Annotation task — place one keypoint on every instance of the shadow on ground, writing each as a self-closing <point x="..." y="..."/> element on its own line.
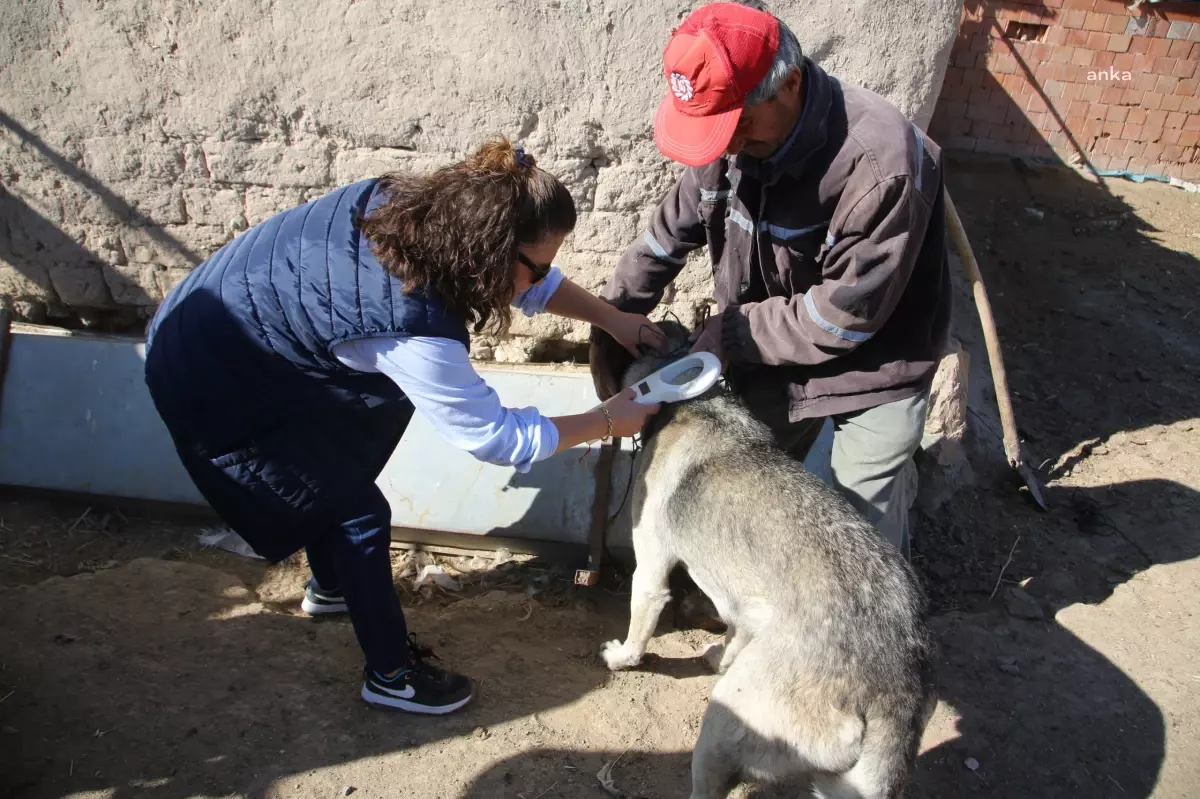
<point x="1093" y="301"/>
<point x="160" y="681"/>
<point x="168" y="679"/>
<point x="1092" y="287"/>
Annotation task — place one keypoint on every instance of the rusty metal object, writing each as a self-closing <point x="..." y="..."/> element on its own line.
<point x="5" y="345"/>
<point x="598" y="532"/>
<point x="452" y="543"/>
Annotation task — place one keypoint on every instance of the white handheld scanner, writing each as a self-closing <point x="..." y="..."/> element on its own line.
<point x="684" y="379"/>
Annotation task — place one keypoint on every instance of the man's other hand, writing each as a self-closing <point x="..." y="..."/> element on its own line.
<point x="708" y="339"/>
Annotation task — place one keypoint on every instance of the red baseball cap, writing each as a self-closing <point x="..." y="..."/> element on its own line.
<point x="712" y="61"/>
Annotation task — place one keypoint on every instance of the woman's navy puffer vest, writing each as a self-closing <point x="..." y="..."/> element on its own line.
<point x="274" y="430"/>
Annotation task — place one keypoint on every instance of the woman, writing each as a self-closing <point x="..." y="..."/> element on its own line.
<point x="288" y="365"/>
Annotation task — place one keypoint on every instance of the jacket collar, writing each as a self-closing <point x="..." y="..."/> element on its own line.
<point x="806" y="139"/>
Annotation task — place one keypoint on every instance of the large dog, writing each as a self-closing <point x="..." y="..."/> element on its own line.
<point x="827" y="659"/>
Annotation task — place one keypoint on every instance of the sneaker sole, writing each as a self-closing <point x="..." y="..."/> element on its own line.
<point x="313" y="609"/>
<point x="391" y="703"/>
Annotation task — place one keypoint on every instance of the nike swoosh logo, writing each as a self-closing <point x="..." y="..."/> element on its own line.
<point x="407" y="693"/>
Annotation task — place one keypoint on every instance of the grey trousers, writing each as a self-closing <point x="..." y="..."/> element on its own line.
<point x="872" y="460"/>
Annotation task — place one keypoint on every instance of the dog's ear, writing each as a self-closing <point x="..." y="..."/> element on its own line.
<point x="608" y="361"/>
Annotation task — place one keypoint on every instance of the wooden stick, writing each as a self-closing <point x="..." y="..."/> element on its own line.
<point x="1008" y="421"/>
<point x="1007" y="561"/>
<point x="1012" y="443"/>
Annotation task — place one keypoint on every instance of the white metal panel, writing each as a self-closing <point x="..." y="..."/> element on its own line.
<point x="76" y="416"/>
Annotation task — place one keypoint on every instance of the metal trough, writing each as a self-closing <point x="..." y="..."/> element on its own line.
<point x="76" y="418"/>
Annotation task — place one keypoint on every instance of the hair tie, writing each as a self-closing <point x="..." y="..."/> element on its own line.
<point x="522" y="159"/>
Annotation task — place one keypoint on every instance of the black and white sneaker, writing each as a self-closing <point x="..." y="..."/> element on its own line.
<point x="318" y="602"/>
<point x="420" y="687"/>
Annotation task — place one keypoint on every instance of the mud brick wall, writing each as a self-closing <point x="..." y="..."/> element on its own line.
<point x="138" y="136"/>
<point x="1086" y="81"/>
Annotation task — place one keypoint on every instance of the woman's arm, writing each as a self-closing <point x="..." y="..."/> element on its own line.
<point x="573" y="302"/>
<point x="558" y="295"/>
<point x="579" y="429"/>
<point x="634" y="331"/>
<point x="437" y="376"/>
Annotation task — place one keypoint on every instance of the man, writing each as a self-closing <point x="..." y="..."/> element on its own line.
<point x="821" y="207"/>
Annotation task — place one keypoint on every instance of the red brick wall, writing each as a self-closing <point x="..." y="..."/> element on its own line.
<point x="1098" y="83"/>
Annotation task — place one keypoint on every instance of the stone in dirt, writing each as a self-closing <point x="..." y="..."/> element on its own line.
<point x="1022" y="606"/>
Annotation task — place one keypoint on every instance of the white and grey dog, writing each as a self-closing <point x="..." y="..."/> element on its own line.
<point x="827" y="659"/>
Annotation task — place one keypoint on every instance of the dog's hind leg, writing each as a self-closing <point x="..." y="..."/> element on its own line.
<point x="716" y="762"/>
<point x="745" y="731"/>
<point x="650" y="595"/>
<point x="774" y="723"/>
<point x="882" y="771"/>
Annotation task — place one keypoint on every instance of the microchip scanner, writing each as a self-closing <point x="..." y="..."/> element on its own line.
<point x="684" y="379"/>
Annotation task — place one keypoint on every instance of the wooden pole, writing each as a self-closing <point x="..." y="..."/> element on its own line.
<point x="1008" y="420"/>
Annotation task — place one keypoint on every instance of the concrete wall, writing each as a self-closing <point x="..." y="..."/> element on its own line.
<point x="137" y="136"/>
<point x="1089" y="82"/>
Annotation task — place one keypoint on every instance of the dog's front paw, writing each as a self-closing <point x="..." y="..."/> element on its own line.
<point x="714" y="656"/>
<point x="617" y="656"/>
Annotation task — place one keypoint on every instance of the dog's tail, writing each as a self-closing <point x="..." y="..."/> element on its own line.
<point x="889" y="750"/>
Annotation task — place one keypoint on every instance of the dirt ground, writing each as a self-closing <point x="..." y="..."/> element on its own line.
<point x="135" y="663"/>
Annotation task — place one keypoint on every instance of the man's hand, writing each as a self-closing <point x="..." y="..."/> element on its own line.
<point x="708" y="339"/>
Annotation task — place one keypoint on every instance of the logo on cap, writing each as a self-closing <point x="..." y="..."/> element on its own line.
<point x="682" y="87"/>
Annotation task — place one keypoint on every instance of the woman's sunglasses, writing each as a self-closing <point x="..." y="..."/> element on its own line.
<point x="539" y="272"/>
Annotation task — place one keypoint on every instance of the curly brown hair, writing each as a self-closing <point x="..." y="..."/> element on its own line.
<point x="454" y="233"/>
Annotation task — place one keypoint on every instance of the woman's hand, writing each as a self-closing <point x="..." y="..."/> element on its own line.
<point x="635" y="332"/>
<point x="628" y="418"/>
<point x="628" y="415"/>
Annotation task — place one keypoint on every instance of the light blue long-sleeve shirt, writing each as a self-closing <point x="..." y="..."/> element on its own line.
<point x="437" y="376"/>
